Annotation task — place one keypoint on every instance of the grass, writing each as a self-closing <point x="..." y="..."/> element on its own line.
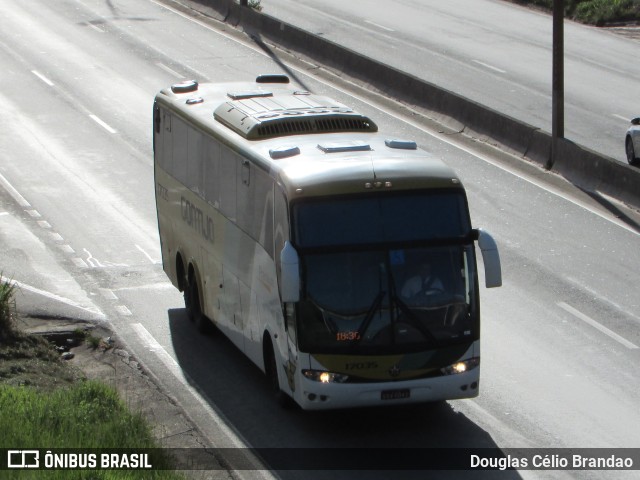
<point x="47" y="404"/>
<point x="87" y="415"/>
<point x="7" y="309"/>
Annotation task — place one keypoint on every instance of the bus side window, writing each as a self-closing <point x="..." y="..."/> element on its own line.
<point x="157" y="119"/>
<point x="180" y="150"/>
<point x="228" y="162"/>
<point x="280" y="227"/>
<point x="195" y="158"/>
<point x="255" y="203"/>
<point x="263" y="216"/>
<point x="212" y="172"/>
<point x="245" y="192"/>
<point x="166" y="153"/>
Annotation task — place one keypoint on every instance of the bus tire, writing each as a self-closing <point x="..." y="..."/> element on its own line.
<point x="271" y="370"/>
<point x="194" y="308"/>
<point x="188" y="302"/>
<point x="203" y="324"/>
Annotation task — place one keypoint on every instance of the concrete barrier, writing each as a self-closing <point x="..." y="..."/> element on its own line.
<point x="588" y="170"/>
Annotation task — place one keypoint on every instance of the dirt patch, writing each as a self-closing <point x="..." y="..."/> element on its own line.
<point x="30" y="360"/>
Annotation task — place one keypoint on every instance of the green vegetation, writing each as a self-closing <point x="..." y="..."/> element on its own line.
<point x="87" y="415"/>
<point x="7" y="310"/>
<point x="596" y="12"/>
<point x="255" y="4"/>
<point x="47" y="404"/>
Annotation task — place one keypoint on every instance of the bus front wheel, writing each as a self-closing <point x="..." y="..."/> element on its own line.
<point x="271" y="369"/>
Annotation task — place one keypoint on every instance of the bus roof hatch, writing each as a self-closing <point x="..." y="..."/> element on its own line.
<point x="278" y="114"/>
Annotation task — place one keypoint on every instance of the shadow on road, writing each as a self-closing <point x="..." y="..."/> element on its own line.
<point x="240" y="391"/>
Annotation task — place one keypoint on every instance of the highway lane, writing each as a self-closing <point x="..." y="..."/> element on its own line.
<point x="491" y="51"/>
<point x="566" y="258"/>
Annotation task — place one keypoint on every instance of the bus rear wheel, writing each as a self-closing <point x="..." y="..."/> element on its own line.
<point x="194" y="310"/>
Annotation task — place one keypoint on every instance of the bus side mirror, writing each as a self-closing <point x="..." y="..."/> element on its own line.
<point x="490" y="258"/>
<point x="289" y="274"/>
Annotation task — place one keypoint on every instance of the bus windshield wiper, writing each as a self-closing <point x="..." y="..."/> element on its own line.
<point x="414" y="320"/>
<point x="369" y="316"/>
<point x="409" y="313"/>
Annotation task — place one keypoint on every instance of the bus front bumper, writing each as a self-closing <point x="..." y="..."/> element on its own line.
<point x="314" y="395"/>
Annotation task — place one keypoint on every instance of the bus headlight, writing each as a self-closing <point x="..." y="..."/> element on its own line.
<point x="324" y="377"/>
<point x="461" y="367"/>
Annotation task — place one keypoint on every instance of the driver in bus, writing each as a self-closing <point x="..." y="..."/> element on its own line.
<point x="424" y="283"/>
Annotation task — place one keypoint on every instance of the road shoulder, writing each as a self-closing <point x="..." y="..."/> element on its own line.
<point x="112" y="365"/>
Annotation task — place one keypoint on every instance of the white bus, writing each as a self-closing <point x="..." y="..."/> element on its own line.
<point x="306" y="236"/>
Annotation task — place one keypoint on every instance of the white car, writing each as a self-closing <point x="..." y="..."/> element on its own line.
<point x="632" y="142"/>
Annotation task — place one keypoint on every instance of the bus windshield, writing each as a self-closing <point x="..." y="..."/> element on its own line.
<point x="399" y="291"/>
<point x="380" y="219"/>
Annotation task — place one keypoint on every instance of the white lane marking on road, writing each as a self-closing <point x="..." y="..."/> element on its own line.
<point x="67" y="249"/>
<point x="95" y="27"/>
<point x="150" y="286"/>
<point x="33" y="213"/>
<point x="490" y="67"/>
<point x="102" y="123"/>
<point x="2" y="214"/>
<point x="379" y="26"/>
<point x="80" y="263"/>
<point x="626" y="119"/>
<point x="91" y="260"/>
<point x="596" y="325"/>
<point x="603" y="298"/>
<point x="52" y="296"/>
<point x="107" y="294"/>
<point x="44" y="224"/>
<point x="42" y="77"/>
<point x="169" y="70"/>
<point x="123" y="310"/>
<point x="151" y="344"/>
<point x="14" y="193"/>
<point x="147" y="255"/>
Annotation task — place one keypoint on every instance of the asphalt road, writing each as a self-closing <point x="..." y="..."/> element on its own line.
<point x="78" y="228"/>
<point x="494" y="52"/>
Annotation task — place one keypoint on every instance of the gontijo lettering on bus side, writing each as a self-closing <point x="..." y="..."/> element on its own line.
<point x="196" y="219"/>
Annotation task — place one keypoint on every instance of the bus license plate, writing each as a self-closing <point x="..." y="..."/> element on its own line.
<point x="395" y="394"/>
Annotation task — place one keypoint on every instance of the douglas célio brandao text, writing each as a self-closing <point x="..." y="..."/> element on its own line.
<point x="570" y="461"/>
